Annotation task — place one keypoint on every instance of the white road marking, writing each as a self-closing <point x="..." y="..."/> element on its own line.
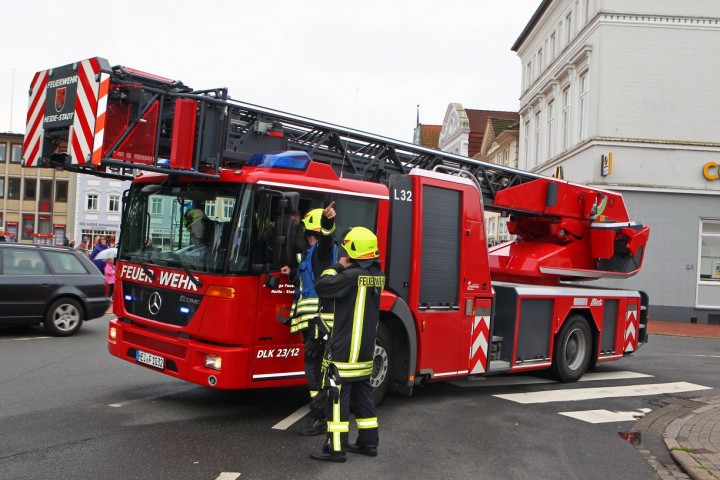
<point x="228" y="476"/>
<point x="294" y="417"/>
<point x="528" y="380"/>
<point x="25" y="339"/>
<point x="606" y="416"/>
<point x="571" y="395"/>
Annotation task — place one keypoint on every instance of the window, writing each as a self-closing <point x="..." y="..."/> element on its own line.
<point x="18" y="261"/>
<point x="551" y="46"/>
<point x="211" y="210"/>
<point x="45" y="195"/>
<point x="113" y="203"/>
<point x="156" y="206"/>
<point x="92" y="202"/>
<point x="61" y="191"/>
<point x="3" y="152"/>
<point x="30" y="188"/>
<point x="568" y="28"/>
<point x="506" y="157"/>
<point x="44" y="225"/>
<point x="2" y="188"/>
<point x="16" y="153"/>
<point x="527" y="142"/>
<point x="65" y="263"/>
<point x="550" y="120"/>
<point x="13" y="189"/>
<point x="28" y="227"/>
<point x="566" y="117"/>
<point x="710" y="251"/>
<point x="492" y="233"/>
<point x="540" y="61"/>
<point x="586" y="10"/>
<point x="583" y="105"/>
<point x="537" y="138"/>
<point x="227" y="205"/>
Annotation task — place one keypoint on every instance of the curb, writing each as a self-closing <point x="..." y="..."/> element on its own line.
<point x="686" y="461"/>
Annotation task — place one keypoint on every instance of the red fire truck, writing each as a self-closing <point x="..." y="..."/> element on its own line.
<point x="210" y="312"/>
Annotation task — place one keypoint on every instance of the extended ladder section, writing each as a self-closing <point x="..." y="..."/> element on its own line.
<point x="91" y="118"/>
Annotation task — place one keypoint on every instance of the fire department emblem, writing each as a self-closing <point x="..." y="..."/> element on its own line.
<point x="60" y="95"/>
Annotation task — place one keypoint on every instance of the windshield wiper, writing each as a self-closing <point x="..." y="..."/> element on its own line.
<point x="147" y="271"/>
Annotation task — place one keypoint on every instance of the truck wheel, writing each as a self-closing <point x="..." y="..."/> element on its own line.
<point x="380" y="378"/>
<point x="572" y="350"/>
<point x="64" y="317"/>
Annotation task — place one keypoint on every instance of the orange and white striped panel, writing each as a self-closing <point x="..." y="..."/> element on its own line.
<point x="32" y="145"/>
<point x="480" y="341"/>
<point x="82" y="131"/>
<point x="100" y="116"/>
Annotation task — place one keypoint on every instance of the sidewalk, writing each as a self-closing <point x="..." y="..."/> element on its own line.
<point x="690" y="428"/>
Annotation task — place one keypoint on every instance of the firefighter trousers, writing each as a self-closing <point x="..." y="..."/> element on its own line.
<point x="358" y="396"/>
<point x="314" y="349"/>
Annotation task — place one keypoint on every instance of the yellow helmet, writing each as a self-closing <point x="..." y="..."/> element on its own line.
<point x="312" y="219"/>
<point x="192" y="216"/>
<point x="361" y="244"/>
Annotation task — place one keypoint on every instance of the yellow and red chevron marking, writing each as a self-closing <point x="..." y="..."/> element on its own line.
<point x="479" y="345"/>
<point x="33" y="129"/>
<point x="83" y="129"/>
<point x="630" y="331"/>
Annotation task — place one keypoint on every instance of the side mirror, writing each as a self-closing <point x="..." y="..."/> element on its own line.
<point x="290" y="201"/>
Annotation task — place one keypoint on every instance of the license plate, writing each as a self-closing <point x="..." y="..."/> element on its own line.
<point x="150" y="359"/>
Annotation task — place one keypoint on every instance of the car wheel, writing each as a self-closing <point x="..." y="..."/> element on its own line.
<point x="380" y="378"/>
<point x="64" y="317"/>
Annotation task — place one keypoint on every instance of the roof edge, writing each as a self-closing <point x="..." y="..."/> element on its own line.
<point x="536" y="16"/>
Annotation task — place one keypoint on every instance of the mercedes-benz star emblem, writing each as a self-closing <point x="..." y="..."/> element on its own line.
<point x="154" y="303"/>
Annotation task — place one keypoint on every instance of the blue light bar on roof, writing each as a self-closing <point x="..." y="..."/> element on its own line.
<point x="292" y="160"/>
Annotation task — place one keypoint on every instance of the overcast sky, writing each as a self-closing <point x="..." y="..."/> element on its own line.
<point x="363" y="64"/>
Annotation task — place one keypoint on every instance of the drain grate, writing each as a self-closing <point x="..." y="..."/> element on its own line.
<point x="677" y="401"/>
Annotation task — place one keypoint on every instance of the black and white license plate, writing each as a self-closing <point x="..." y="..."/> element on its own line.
<point x="150" y="359"/>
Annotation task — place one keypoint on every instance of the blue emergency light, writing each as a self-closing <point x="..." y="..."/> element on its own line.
<point x="292" y="160"/>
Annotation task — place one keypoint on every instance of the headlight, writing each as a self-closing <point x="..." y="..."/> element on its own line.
<point x="213" y="361"/>
<point x="113" y="333"/>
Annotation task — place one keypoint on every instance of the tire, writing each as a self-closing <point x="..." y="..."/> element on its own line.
<point x="64" y="317"/>
<point x="573" y="348"/>
<point x="380" y="378"/>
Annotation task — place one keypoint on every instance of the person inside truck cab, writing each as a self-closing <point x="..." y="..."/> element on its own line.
<point x="201" y="228"/>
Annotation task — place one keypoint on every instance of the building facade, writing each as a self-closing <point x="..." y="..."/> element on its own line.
<point x="36" y="204"/>
<point x="98" y="209"/>
<point x="623" y="95"/>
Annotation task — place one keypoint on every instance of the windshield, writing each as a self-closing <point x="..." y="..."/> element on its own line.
<point x="188" y="226"/>
<point x="225" y="228"/>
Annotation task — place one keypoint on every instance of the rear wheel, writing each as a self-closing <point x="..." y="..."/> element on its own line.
<point x="573" y="348"/>
<point x="64" y="317"/>
<point x="380" y="378"/>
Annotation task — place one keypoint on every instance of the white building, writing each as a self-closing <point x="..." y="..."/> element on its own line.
<point x="624" y="95"/>
<point x="98" y="209"/>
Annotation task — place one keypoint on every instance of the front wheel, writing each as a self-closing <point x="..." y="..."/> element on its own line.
<point x="380" y="378"/>
<point x="64" y="317"/>
<point x="573" y="347"/>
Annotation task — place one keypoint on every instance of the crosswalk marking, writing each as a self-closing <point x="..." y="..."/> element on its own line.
<point x="508" y="380"/>
<point x="228" y="476"/>
<point x="294" y="417"/>
<point x="571" y="395"/>
<point x="606" y="416"/>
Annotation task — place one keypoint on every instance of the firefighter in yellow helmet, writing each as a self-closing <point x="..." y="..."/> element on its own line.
<point x="309" y="316"/>
<point x="355" y="283"/>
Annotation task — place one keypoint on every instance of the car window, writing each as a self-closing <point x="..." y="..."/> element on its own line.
<point x="19" y="261"/>
<point x="65" y="262"/>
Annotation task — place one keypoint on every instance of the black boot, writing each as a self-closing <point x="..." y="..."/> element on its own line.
<point x="362" y="450"/>
<point x="314" y="426"/>
<point x="329" y="457"/>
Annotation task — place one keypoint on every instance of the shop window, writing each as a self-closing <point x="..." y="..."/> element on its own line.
<point x="710" y="251"/>
<point x="28" y="227"/>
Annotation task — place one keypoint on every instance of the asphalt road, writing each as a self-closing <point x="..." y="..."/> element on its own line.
<point x="71" y="411"/>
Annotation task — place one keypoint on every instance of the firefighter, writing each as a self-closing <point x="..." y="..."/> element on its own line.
<point x="355" y="283"/>
<point x="308" y="315"/>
